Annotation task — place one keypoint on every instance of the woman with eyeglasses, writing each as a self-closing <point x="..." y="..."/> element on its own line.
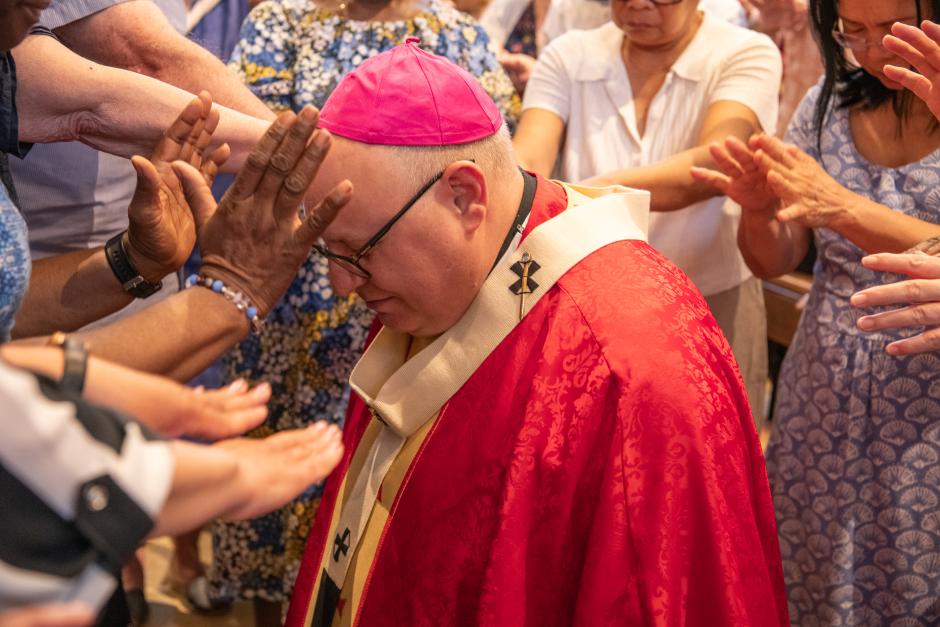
<point x="636" y="102"/>
<point x="854" y="458"/>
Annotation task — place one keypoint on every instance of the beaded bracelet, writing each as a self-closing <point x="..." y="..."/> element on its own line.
<point x="234" y="296"/>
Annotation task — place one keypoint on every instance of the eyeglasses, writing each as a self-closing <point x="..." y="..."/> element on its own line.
<point x="860" y="42"/>
<point x="351" y="263"/>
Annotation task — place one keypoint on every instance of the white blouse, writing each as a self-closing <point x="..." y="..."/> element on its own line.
<point x="581" y="78"/>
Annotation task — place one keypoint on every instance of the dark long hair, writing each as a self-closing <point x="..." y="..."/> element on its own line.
<point x="850" y="85"/>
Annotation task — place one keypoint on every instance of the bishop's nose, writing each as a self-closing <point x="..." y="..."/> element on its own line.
<point x="345" y="282"/>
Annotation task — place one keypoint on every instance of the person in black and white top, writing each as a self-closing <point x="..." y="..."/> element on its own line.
<point x="83" y="485"/>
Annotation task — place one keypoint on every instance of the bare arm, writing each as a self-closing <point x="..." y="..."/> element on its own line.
<point x="136" y="36"/>
<point x="769" y="247"/>
<point x="63" y="97"/>
<point x="163" y="405"/>
<point x="69" y="291"/>
<point x="238" y="479"/>
<point x="538" y="139"/>
<point x="670" y="181"/>
<point x="254" y="243"/>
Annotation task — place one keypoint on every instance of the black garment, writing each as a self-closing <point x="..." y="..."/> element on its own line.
<point x="9" y="126"/>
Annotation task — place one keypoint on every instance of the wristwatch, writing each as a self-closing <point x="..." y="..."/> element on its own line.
<point x="134" y="284"/>
<point x="76" y="361"/>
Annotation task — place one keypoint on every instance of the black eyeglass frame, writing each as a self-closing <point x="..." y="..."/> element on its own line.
<point x="351" y="263"/>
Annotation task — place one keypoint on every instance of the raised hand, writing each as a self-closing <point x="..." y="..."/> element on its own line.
<point x="920" y="294"/>
<point x="920" y="48"/>
<point x="275" y="469"/>
<point x="738" y="177"/>
<point x="810" y="197"/>
<point x="162" y="232"/>
<point x="255" y="241"/>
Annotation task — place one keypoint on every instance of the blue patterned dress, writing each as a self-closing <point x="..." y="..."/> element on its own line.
<point x="293" y="53"/>
<point x="854" y="458"/>
<point x="14" y="262"/>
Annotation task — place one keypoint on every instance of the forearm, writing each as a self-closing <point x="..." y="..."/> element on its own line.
<point x="67" y="292"/>
<point x="177" y="337"/>
<point x="771" y="248"/>
<point x="112" y="110"/>
<point x="204" y="487"/>
<point x="134" y="393"/>
<point x="877" y="229"/>
<point x="669" y="182"/>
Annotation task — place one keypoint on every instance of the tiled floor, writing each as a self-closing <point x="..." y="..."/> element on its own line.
<point x="167" y="607"/>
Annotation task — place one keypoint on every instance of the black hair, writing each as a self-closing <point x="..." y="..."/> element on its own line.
<point x="851" y="85"/>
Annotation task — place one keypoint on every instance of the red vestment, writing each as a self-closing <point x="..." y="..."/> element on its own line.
<point x="601" y="467"/>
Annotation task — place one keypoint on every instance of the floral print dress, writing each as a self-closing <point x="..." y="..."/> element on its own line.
<point x="293" y="53"/>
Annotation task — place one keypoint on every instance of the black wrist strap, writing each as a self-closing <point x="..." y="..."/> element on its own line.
<point x="76" y="362"/>
<point x="134" y="284"/>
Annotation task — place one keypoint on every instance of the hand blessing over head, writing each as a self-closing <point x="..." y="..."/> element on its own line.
<point x="254" y="240"/>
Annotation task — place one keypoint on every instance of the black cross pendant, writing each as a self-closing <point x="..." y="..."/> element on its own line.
<point x="341" y="545"/>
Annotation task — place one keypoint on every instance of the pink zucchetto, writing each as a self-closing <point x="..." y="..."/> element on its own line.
<point x="409" y="97"/>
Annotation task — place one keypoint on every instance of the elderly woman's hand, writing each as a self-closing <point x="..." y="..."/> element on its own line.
<point x="921" y="294"/>
<point x="738" y="177"/>
<point x="255" y="240"/>
<point x="161" y="234"/>
<point x="810" y="196"/>
<point x="920" y="48"/>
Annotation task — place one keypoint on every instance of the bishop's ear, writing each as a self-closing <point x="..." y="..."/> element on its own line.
<point x="466" y="185"/>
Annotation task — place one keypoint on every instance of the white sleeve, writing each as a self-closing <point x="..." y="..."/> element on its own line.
<point x="549" y="87"/>
<point x="751" y="76"/>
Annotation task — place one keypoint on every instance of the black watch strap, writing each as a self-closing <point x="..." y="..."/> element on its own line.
<point x="76" y="362"/>
<point x="134" y="284"/>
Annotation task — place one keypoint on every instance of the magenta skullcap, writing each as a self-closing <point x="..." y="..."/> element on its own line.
<point x="409" y="97"/>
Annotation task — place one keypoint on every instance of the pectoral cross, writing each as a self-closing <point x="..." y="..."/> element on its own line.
<point x="341" y="545"/>
<point x="524" y="268"/>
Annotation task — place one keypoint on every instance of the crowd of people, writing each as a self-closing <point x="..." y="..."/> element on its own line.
<point x="439" y="312"/>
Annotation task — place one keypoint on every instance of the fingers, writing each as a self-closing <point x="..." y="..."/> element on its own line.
<point x="741" y="153"/>
<point x="773" y="148"/>
<point x="211" y="166"/>
<point x="914" y="46"/>
<point x="915" y="265"/>
<point x="928" y="341"/>
<point x="910" y="80"/>
<point x="246" y="183"/>
<point x="928" y="247"/>
<point x="302" y="174"/>
<point x="322" y="215"/>
<point x="917" y="291"/>
<point x="292" y="147"/>
<point x="783" y="190"/>
<point x="73" y="614"/>
<point x="716" y="179"/>
<point x="177" y="135"/>
<point x="144" y="207"/>
<point x="906" y="317"/>
<point x="197" y="142"/>
<point x="197" y="192"/>
<point x="726" y="163"/>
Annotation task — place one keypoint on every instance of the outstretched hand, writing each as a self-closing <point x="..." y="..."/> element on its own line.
<point x="275" y="469"/>
<point x="920" y="294"/>
<point x="738" y="177"/>
<point x="920" y="48"/>
<point x="254" y="240"/>
<point x="161" y="234"/>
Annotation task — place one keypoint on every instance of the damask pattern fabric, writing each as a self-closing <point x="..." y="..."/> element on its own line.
<point x="293" y="53"/>
<point x="854" y="459"/>
<point x="599" y="468"/>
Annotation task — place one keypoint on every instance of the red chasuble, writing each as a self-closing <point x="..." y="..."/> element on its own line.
<point x="600" y="467"/>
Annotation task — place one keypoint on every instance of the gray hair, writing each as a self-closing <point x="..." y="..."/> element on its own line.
<point x="493" y="154"/>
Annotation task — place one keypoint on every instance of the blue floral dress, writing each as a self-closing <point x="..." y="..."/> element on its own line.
<point x="854" y="458"/>
<point x="293" y="53"/>
<point x="14" y="262"/>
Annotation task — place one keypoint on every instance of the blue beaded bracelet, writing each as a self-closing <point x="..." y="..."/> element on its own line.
<point x="234" y="296"/>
